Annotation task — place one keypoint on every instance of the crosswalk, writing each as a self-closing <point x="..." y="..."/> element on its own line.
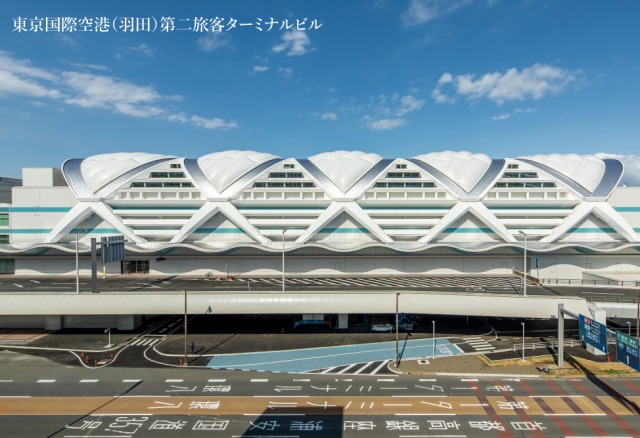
<point x="479" y="344"/>
<point x="378" y="368"/>
<point x="145" y="342"/>
<point x="472" y="282"/>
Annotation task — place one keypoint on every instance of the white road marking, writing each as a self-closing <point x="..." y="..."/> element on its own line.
<point x="328" y="370"/>
<point x="144" y="414"/>
<point x="379" y="367"/>
<point x="88" y="380"/>
<point x="427" y="380"/>
<point x="397" y="404"/>
<point x="15" y="396"/>
<point x="468" y="380"/>
<point x="302" y="380"/>
<point x="18" y="285"/>
<point x="217" y="380"/>
<point x="386" y="380"/>
<point x="576" y="415"/>
<point x="6" y="381"/>
<point x="34" y="281"/>
<point x="366" y="365"/>
<point x="348" y="404"/>
<point x="474" y="404"/>
<point x="131" y="380"/>
<point x="557" y="396"/>
<point x="347" y="368"/>
<point x="174" y="380"/>
<point x="258" y="380"/>
<point x="46" y="381"/>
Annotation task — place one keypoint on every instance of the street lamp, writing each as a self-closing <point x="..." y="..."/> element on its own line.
<point x="109" y="342"/>
<point x="186" y="361"/>
<point x="524" y="271"/>
<point x="283" y="231"/>
<point x="77" y="267"/>
<point x="522" y="341"/>
<point x="397" y="354"/>
<point x="433" y="340"/>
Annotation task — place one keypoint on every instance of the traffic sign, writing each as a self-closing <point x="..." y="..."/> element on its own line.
<point x="627" y="350"/>
<point x="593" y="333"/>
<point x="112" y="248"/>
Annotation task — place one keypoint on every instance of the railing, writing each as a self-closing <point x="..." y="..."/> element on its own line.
<point x="555" y="344"/>
<point x="601" y="299"/>
<point x="581" y="282"/>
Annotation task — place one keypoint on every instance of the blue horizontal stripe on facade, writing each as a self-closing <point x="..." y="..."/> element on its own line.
<point x="343" y="230"/>
<point x="468" y="230"/>
<point x="627" y="209"/>
<point x="35" y="209"/>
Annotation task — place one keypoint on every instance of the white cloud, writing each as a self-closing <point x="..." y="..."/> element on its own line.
<point x="285" y="71"/>
<point x="329" y="116"/>
<point x="384" y="124"/>
<point x="631" y="164"/>
<point x="409" y="104"/>
<point x="423" y="11"/>
<point x="144" y="50"/>
<point x="505" y="116"/>
<point x="530" y="83"/>
<point x="213" y="41"/>
<point x="88" y="90"/>
<point x="215" y="123"/>
<point x="294" y="43"/>
<point x="260" y="69"/>
<point x="20" y="86"/>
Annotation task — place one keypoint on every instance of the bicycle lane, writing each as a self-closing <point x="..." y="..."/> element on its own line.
<point x="299" y="361"/>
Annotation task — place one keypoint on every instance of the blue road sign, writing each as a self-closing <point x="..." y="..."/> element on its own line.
<point x="627" y="350"/>
<point x="593" y="333"/>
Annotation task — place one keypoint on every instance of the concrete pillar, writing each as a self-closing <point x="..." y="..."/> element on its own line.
<point x="53" y="322"/>
<point x="343" y="321"/>
<point x="312" y="316"/>
<point x="128" y="322"/>
<point x="599" y="315"/>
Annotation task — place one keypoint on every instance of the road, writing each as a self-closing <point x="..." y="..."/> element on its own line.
<point x="37" y="401"/>
<point x="505" y="284"/>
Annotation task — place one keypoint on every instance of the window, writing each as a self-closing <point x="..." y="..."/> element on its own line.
<point x="288" y="185"/>
<point x="520" y="175"/>
<point x="175" y="166"/>
<point x="402" y="185"/>
<point x="403" y="175"/>
<point x="7" y="266"/>
<point x="401" y="166"/>
<point x="289" y="166"/>
<point x="4" y="218"/>
<point x="4" y="238"/>
<point x="160" y="185"/>
<point x="167" y="174"/>
<point x="513" y="166"/>
<point x="532" y="184"/>
<point x="285" y="175"/>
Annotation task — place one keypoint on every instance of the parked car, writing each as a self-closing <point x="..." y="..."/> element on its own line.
<point x="384" y="328"/>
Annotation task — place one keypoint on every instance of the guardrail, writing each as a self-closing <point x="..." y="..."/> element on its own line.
<point x="581" y="282"/>
<point x="538" y="345"/>
<point x="601" y="299"/>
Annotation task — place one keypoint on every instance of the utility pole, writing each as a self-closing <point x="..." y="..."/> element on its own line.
<point x="283" y="260"/>
<point x="186" y="360"/>
<point x="397" y="354"/>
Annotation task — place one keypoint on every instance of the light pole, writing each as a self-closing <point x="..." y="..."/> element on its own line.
<point x="283" y="231"/>
<point x="433" y="340"/>
<point x="186" y="361"/>
<point x="629" y="328"/>
<point x="108" y="331"/>
<point x="397" y="354"/>
<point x="522" y="341"/>
<point x="524" y="270"/>
<point x="77" y="268"/>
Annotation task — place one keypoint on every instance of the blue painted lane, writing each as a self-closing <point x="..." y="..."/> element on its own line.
<point x="298" y="361"/>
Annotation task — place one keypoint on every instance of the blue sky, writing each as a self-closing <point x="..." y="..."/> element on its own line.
<point x="399" y="78"/>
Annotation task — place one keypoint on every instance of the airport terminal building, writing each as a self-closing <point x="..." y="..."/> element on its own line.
<point x="336" y="213"/>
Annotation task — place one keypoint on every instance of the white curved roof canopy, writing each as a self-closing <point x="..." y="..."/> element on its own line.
<point x="223" y="168"/>
<point x="463" y="167"/>
<point x="586" y="170"/>
<point x="345" y="168"/>
<point x="100" y="170"/>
